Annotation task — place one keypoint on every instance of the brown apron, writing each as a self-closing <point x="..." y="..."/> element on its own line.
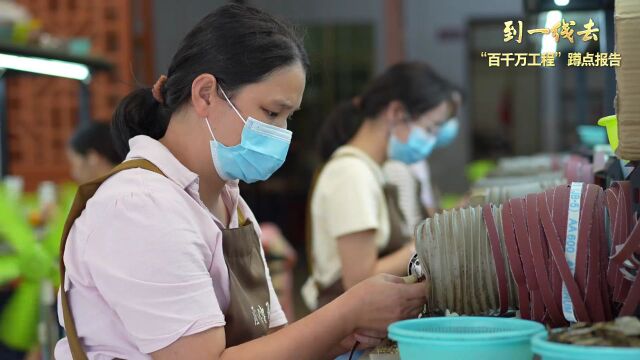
<point x="247" y="317"/>
<point x="398" y="237"/>
<point x="248" y="314"/>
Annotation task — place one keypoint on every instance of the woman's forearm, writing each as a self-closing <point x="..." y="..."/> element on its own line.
<point x="361" y="246"/>
<point x="307" y="338"/>
<point x="396" y="262"/>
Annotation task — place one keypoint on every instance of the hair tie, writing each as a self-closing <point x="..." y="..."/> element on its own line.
<point x="157" y="89"/>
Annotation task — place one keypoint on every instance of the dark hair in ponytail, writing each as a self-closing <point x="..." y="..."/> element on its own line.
<point x="339" y="127"/>
<point x="95" y="136"/>
<point x="415" y="84"/>
<point x="237" y="44"/>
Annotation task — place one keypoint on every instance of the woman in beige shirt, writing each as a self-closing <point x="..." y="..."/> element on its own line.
<point x="357" y="229"/>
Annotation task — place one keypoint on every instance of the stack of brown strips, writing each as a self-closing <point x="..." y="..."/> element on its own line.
<point x="492" y="259"/>
<point x="623" y="332"/>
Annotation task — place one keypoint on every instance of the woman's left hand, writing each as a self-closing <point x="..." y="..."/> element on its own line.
<point x="366" y="339"/>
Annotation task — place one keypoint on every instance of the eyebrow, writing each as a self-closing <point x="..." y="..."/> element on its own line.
<point x="286" y="105"/>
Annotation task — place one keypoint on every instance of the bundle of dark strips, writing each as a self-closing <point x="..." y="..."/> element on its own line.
<point x="569" y="254"/>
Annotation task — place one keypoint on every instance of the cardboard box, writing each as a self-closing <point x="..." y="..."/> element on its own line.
<point x="627" y="25"/>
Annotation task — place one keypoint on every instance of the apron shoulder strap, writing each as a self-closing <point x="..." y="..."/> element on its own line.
<point x="136" y="163"/>
<point x="84" y="193"/>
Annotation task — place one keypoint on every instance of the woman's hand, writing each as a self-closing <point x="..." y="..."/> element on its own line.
<point x="366" y="339"/>
<point x="384" y="299"/>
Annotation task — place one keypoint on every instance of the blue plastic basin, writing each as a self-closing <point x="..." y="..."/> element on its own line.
<point x="465" y="338"/>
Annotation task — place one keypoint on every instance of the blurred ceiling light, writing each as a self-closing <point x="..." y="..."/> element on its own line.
<point x="45" y="66"/>
<point x="561" y="2"/>
<point x="549" y="44"/>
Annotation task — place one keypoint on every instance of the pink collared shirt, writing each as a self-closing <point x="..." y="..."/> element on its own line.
<point x="144" y="261"/>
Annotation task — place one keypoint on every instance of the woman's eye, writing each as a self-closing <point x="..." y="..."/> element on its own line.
<point x="271" y="114"/>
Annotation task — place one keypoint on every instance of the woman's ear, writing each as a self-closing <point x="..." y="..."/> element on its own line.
<point x="203" y="89"/>
<point x="395" y="113"/>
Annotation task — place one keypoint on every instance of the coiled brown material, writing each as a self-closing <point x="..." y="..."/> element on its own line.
<point x="487" y="260"/>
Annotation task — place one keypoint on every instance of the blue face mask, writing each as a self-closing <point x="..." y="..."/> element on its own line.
<point x="262" y="150"/>
<point x="447" y="133"/>
<point x="418" y="146"/>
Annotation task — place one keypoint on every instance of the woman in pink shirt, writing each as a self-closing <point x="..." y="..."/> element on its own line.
<point x="161" y="257"/>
